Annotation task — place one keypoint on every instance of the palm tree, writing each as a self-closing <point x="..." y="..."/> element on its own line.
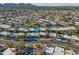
<point x="65" y="48"/>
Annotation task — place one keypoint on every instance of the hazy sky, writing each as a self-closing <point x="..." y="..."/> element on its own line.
<point x="57" y="4"/>
<point x="39" y="1"/>
<point x="45" y="2"/>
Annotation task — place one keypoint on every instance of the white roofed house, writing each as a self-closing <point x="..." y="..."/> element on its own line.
<point x="19" y="34"/>
<point x="53" y="50"/>
<point x="53" y="23"/>
<point x="69" y="52"/>
<point x="42" y="33"/>
<point x="5" y="26"/>
<point x="43" y="29"/>
<point x="11" y="29"/>
<point x="23" y="29"/>
<point x="59" y="51"/>
<point x="77" y="23"/>
<point x="9" y="51"/>
<point x="4" y="33"/>
<point x="62" y="28"/>
<point x="67" y="36"/>
<point x="53" y="36"/>
<point x="33" y="34"/>
<point x="49" y="50"/>
<point x="31" y="29"/>
<point x="72" y="37"/>
<point x="2" y="19"/>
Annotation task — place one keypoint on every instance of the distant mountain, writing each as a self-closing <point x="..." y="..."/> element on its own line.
<point x="8" y="5"/>
<point x="20" y="5"/>
<point x="28" y="5"/>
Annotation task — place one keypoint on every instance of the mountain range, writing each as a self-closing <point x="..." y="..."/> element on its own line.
<point x="29" y="5"/>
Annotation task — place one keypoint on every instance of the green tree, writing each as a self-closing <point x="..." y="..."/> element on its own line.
<point x="65" y="48"/>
